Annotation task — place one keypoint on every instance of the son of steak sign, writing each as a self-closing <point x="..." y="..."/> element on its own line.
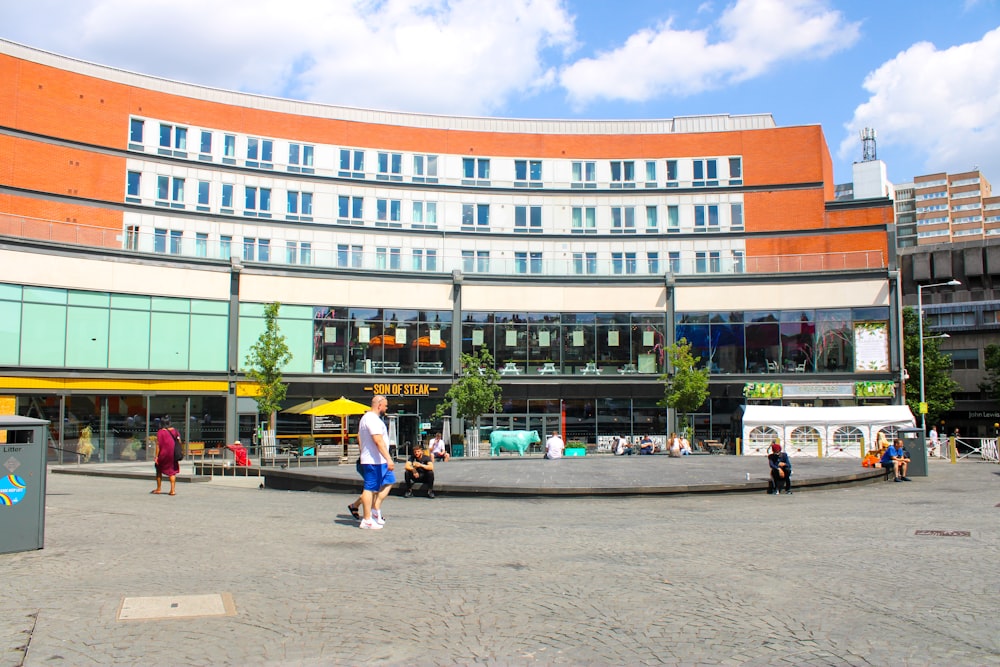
<point x="402" y="389"/>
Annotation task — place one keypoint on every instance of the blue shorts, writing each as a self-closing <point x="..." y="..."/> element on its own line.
<point x="376" y="476"/>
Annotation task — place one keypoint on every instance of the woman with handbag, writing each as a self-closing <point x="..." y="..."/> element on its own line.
<point x="168" y="445"/>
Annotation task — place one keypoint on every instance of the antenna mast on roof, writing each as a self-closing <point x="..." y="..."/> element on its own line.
<point x="868" y="145"/>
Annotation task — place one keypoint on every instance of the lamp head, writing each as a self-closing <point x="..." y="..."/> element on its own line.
<point x="954" y="283"/>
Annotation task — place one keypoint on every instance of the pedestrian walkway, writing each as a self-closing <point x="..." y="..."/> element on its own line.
<point x="227" y="575"/>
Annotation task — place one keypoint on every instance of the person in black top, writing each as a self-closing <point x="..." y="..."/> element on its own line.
<point x="781" y="469"/>
<point x="419" y="470"/>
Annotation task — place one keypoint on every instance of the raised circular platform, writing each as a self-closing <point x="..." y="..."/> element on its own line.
<point x="588" y="476"/>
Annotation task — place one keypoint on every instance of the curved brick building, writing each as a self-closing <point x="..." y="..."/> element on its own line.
<point x="145" y="224"/>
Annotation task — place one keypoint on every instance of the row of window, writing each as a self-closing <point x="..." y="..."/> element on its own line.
<point x="259" y="202"/>
<point x="260" y="153"/>
<point x="353" y="256"/>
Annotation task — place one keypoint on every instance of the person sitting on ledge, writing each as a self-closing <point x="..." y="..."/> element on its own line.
<point x="898" y="459"/>
<point x="646" y="446"/>
<point x="419" y="469"/>
<point x="781" y="469"/>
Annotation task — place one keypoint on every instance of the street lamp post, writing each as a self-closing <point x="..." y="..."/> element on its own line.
<point x="920" y="325"/>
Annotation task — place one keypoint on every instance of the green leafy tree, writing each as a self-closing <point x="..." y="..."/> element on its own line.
<point x="938" y="385"/>
<point x="264" y="363"/>
<point x="991" y="385"/>
<point x="687" y="389"/>
<point x="476" y="392"/>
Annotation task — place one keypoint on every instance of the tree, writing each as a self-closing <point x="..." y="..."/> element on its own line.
<point x="475" y="392"/>
<point x="264" y="363"/>
<point x="687" y="389"/>
<point x="938" y="385"/>
<point x="991" y="385"/>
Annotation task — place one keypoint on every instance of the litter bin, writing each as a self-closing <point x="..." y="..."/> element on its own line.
<point x="914" y="442"/>
<point x="458" y="450"/>
<point x="22" y="488"/>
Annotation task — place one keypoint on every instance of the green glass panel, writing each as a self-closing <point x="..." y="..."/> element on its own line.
<point x="299" y="338"/>
<point x="130" y="302"/>
<point x="169" y="341"/>
<point x="170" y="305"/>
<point x="129" y="339"/>
<point x="209" y="342"/>
<point x="87" y="338"/>
<point x="203" y="307"/>
<point x="95" y="299"/>
<point x="250" y="330"/>
<point x="251" y="310"/>
<point x="43" y="335"/>
<point x="44" y="295"/>
<point x="10" y="292"/>
<point x="10" y="332"/>
<point x="296" y="312"/>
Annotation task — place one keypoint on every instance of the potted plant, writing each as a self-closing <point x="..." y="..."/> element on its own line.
<point x="575" y="448"/>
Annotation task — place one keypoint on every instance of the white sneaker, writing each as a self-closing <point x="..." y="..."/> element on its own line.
<point x="378" y="518"/>
<point x="370" y="525"/>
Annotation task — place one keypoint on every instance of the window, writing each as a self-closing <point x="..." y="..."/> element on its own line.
<point x="738" y="261"/>
<point x="528" y="173"/>
<point x="229" y="149"/>
<point x="300" y="158"/>
<point x="170" y="191"/>
<point x="257" y="202"/>
<point x="225" y="247"/>
<point x="714" y="260"/>
<point x="174" y="137"/>
<point x="584" y="220"/>
<point x="623" y="219"/>
<point x="736" y="217"/>
<point x="672" y="173"/>
<point x="349" y="256"/>
<point x="475" y="217"/>
<point x="291" y="252"/>
<point x="991" y="317"/>
<point x="424" y="215"/>
<point x="260" y="153"/>
<point x="527" y="262"/>
<point x="528" y="219"/>
<point x="249" y="249"/>
<point x="706" y="217"/>
<point x="585" y="263"/>
<point x="673" y="219"/>
<point x="352" y="163"/>
<point x="299" y="205"/>
<point x="159" y="240"/>
<point x="966" y="319"/>
<point x="204" y="191"/>
<point x="963" y="360"/>
<point x="419" y="257"/>
<point x="201" y="244"/>
<point x="387" y="258"/>
<point x="305" y="253"/>
<point x="650" y="173"/>
<point x="706" y="173"/>
<point x="350" y="210"/>
<point x="652" y="226"/>
<point x="675" y="262"/>
<point x="476" y="261"/>
<point x="425" y="168"/>
<point x="132" y="237"/>
<point x="176" y="236"/>
<point x="735" y="171"/>
<point x="623" y="262"/>
<point x="227" y="197"/>
<point x="390" y="167"/>
<point x="700" y="262"/>
<point x="622" y="174"/>
<point x="584" y="175"/>
<point x="653" y="262"/>
<point x="135" y="131"/>
<point x="387" y="212"/>
<point x="475" y="171"/>
<point x="206" y="143"/>
<point x="132" y="186"/>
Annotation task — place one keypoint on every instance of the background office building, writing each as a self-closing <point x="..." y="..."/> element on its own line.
<point x="147" y="223"/>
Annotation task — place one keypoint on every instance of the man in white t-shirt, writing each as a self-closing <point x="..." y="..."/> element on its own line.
<point x="375" y="463"/>
<point x="438" y="450"/>
<point x="554" y="446"/>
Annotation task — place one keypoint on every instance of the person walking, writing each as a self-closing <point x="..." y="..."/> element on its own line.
<point x="375" y="462"/>
<point x="167" y="440"/>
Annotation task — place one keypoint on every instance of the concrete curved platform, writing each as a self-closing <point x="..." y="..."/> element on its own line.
<point x="589" y="476"/>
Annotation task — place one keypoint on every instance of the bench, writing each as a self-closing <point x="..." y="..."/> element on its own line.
<point x="430" y="367"/>
<point x="386" y="367"/>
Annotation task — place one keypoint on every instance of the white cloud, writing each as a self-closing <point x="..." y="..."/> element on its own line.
<point x="448" y="56"/>
<point x="943" y="105"/>
<point x="753" y="37"/>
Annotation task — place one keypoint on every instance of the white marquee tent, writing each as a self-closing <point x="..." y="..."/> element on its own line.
<point x="839" y="431"/>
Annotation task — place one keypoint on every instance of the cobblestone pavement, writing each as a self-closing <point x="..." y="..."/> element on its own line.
<point x="826" y="577"/>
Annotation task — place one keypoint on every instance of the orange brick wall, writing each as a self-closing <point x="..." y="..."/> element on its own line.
<point x="43" y="98"/>
<point x="33" y="165"/>
<point x="57" y="221"/>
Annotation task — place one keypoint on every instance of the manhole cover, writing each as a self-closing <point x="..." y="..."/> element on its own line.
<point x="176" y="606"/>
<point x="945" y="533"/>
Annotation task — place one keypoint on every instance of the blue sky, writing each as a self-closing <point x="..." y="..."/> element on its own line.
<point x="924" y="73"/>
